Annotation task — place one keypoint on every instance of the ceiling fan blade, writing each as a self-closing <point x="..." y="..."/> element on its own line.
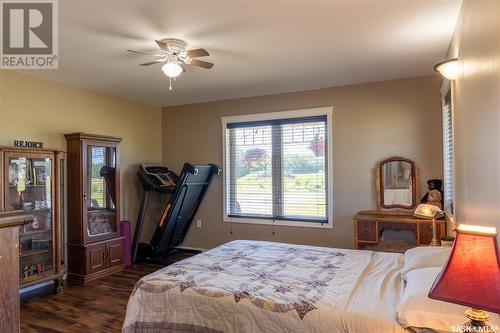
<point x="142" y="52"/>
<point x="162" y="45"/>
<point x="197" y="53"/>
<point x="153" y="62"/>
<point x="201" y="63"/>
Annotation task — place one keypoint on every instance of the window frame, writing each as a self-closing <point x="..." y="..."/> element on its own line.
<point x="446" y="88"/>
<point x="301" y="113"/>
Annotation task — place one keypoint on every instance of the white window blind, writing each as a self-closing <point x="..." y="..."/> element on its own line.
<point x="448" y="154"/>
<point x="277" y="169"/>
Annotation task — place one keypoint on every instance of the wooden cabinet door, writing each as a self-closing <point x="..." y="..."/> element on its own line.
<point x="29" y="186"/>
<point x="9" y="277"/>
<point x="425" y="233"/>
<point x="96" y="259"/>
<point x="101" y="199"/>
<point x="115" y="252"/>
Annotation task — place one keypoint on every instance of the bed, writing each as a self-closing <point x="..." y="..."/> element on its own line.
<point x="255" y="286"/>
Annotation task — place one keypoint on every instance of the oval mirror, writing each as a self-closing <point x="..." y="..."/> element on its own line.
<point x="397" y="183"/>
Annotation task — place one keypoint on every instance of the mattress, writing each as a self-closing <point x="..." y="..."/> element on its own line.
<point x="255" y="286"/>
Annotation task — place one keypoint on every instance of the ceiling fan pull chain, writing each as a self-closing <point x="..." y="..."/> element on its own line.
<point x="170" y="84"/>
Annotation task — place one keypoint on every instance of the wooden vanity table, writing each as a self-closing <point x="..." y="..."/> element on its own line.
<point x="393" y="227"/>
<point x="9" y="269"/>
<point x="369" y="225"/>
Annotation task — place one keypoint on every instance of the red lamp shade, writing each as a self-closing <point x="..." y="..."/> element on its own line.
<point x="471" y="277"/>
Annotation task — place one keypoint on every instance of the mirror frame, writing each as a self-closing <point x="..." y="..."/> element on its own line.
<point x="380" y="182"/>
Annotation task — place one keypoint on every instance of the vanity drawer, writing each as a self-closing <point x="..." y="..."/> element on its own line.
<point x="367" y="231"/>
<point x="425" y="232"/>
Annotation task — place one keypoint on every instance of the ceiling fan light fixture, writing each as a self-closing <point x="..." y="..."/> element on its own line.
<point x="448" y="68"/>
<point x="174" y="56"/>
<point x="172" y="69"/>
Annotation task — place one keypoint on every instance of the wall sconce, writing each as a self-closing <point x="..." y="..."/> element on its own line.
<point x="448" y="68"/>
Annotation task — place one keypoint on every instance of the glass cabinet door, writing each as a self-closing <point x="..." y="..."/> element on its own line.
<point x="30" y="189"/>
<point x="100" y="193"/>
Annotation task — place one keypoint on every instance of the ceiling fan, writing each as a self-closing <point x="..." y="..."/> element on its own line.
<point x="174" y="54"/>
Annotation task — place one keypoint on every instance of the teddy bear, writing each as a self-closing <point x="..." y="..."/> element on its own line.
<point x="435" y="194"/>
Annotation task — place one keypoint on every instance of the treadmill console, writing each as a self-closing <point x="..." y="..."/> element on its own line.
<point x="157" y="177"/>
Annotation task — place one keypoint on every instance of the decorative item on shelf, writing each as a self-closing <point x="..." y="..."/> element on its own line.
<point x="471" y="277"/>
<point x="40" y="177"/>
<point x="40" y="204"/>
<point x="20" y="202"/>
<point x="26" y="245"/>
<point x="28" y="144"/>
<point x="427" y="211"/>
<point x="41" y="244"/>
<point x="448" y="68"/>
<point x="39" y="267"/>
<point x="27" y="206"/>
<point x="36" y="222"/>
<point x="435" y="194"/>
<point x="13" y="174"/>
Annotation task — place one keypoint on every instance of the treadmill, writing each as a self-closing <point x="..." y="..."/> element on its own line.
<point x="186" y="193"/>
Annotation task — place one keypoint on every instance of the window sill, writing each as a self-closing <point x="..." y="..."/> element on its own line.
<point x="281" y="223"/>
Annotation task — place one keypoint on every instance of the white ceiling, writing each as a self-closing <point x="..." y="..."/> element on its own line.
<point x="258" y="47"/>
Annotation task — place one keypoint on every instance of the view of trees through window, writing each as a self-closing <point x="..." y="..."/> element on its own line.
<point x="278" y="170"/>
<point x="97" y="185"/>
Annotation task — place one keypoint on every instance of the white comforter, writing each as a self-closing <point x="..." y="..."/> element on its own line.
<point x="254" y="286"/>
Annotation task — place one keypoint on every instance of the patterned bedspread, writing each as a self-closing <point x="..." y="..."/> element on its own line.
<point x="247" y="286"/>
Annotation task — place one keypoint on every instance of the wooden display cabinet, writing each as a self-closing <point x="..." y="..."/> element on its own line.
<point x="33" y="181"/>
<point x="94" y="241"/>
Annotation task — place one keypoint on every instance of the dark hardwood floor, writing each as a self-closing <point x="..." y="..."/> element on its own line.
<point x="96" y="307"/>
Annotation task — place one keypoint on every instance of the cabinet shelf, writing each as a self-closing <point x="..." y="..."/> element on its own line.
<point x="49" y="271"/>
<point x="36" y="209"/>
<point x="35" y="232"/>
<point x="29" y="253"/>
<point x="28" y="186"/>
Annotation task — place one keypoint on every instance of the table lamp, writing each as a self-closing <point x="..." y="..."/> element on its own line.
<point x="471" y="277"/>
<point x="427" y="211"/>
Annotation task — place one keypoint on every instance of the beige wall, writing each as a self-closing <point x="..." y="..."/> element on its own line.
<point x="36" y="109"/>
<point x="370" y="122"/>
<point x="476" y="42"/>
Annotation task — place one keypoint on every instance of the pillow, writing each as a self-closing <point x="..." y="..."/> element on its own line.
<point x="424" y="257"/>
<point x="418" y="310"/>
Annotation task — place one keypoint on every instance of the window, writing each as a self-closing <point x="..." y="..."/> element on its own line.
<point x="448" y="151"/>
<point x="277" y="168"/>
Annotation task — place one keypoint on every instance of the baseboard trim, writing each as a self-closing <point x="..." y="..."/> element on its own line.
<point x="191" y="248"/>
<point x="82" y="279"/>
